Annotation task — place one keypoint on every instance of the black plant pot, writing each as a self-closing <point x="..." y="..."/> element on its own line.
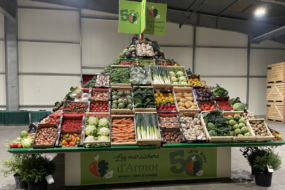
<point x="263" y="179"/>
<point x="19" y="183"/>
<point x="252" y="171"/>
<point x="41" y="185"/>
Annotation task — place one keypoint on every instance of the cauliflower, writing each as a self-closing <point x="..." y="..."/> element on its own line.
<point x="104" y="131"/>
<point x="180" y="73"/>
<point x="183" y="82"/>
<point x="236" y="116"/>
<point x="173" y="79"/>
<point x="90" y="139"/>
<point x="89" y="129"/>
<point x="171" y="73"/>
<point x="104" y="122"/>
<point x="244" y="130"/>
<point x="182" y="79"/>
<point x="27" y="142"/>
<point x="92" y="120"/>
<point x="103" y="138"/>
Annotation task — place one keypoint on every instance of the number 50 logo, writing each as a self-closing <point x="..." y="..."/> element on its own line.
<point x="132" y="17"/>
<point x="193" y="165"/>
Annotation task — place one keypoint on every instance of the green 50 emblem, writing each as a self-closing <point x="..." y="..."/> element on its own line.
<point x="132" y="17"/>
<point x="193" y="165"/>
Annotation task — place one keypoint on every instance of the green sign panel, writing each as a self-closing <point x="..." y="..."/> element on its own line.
<point x="132" y="16"/>
<point x="148" y="165"/>
<point x="156" y="19"/>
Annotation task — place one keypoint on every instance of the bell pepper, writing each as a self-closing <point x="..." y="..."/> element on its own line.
<point x="172" y="103"/>
<point x="160" y="107"/>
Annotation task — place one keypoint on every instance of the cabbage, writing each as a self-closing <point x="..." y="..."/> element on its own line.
<point x="173" y="79"/>
<point x="236" y="116"/>
<point x="180" y="73"/>
<point x="89" y="129"/>
<point x="18" y="140"/>
<point x="104" y="122"/>
<point x="244" y="130"/>
<point x="103" y="138"/>
<point x="104" y="131"/>
<point x="239" y="107"/>
<point x="24" y="134"/>
<point x="92" y="120"/>
<point x="171" y="73"/>
<point x="27" y="142"/>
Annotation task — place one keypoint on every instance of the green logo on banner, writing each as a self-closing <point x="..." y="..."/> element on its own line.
<point x="154" y="13"/>
<point x="132" y="17"/>
<point x="148" y="165"/>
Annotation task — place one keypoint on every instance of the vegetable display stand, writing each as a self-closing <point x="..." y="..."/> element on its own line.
<point x="125" y="110"/>
<point x="275" y="111"/>
<point x="275" y="93"/>
<point x="269" y="136"/>
<point x="187" y="108"/>
<point x="112" y="136"/>
<point x="276" y="73"/>
<point x="94" y="143"/>
<point x="243" y="138"/>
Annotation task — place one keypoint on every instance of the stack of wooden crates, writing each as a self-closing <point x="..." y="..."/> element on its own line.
<point x="275" y="98"/>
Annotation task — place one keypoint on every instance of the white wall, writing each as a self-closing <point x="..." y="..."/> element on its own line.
<point x="49" y="56"/>
<point x="2" y="64"/>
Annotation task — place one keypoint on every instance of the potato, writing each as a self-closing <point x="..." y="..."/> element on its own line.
<point x="189" y="98"/>
<point x="193" y="107"/>
<point x="187" y="104"/>
<point x="181" y="104"/>
<point x="178" y="98"/>
<point x="178" y="94"/>
<point x="188" y="95"/>
<point x="192" y="104"/>
<point x="181" y="108"/>
<point x="183" y="100"/>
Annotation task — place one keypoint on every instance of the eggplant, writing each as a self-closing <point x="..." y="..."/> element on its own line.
<point x="128" y="55"/>
<point x="156" y="53"/>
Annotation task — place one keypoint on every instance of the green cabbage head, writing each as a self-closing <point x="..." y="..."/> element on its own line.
<point x="239" y="107"/>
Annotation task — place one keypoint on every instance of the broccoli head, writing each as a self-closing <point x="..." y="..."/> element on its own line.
<point x="211" y="126"/>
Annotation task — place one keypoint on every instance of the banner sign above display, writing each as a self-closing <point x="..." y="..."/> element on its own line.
<point x="156" y="19"/>
<point x="148" y="165"/>
<point x="142" y="17"/>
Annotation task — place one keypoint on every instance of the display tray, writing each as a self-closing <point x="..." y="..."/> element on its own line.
<point x="94" y="102"/>
<point x="183" y="89"/>
<point x="262" y="138"/>
<point x="121" y="111"/>
<point x="40" y="126"/>
<point x="194" y="77"/>
<point x="92" y="143"/>
<point x="224" y="98"/>
<point x="123" y="143"/>
<point x="97" y="89"/>
<point x="144" y="109"/>
<point x="167" y="91"/>
<point x="71" y="132"/>
<point x="179" y="67"/>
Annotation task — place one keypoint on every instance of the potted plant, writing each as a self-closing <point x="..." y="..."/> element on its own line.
<point x="34" y="170"/>
<point x="260" y="165"/>
<point x="250" y="153"/>
<point x="11" y="167"/>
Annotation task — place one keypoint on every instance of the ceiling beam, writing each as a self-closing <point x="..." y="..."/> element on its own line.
<point x="9" y="9"/>
<point x="180" y="25"/>
<point x="224" y="10"/>
<point x="190" y="7"/>
<point x="269" y="35"/>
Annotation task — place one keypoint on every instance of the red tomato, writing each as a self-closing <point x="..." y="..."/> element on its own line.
<point x="19" y="146"/>
<point x="15" y="145"/>
<point x="11" y="145"/>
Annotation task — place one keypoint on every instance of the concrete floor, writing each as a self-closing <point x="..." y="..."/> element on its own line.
<point x="240" y="178"/>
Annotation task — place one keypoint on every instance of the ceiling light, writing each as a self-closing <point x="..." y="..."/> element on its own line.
<point x="260" y="11"/>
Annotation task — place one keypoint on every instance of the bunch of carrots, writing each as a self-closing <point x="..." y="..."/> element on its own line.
<point x="123" y="130"/>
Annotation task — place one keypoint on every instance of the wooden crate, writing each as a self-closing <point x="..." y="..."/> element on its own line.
<point x="144" y="109"/>
<point x="179" y="67"/>
<point x="166" y="91"/>
<point x="40" y="126"/>
<point x="121" y="111"/>
<point x="120" y="84"/>
<point x="265" y="138"/>
<point x="276" y="73"/>
<point x="244" y="138"/>
<point x="275" y="92"/>
<point x="156" y="142"/>
<point x="184" y="89"/>
<point x="275" y="112"/>
<point x="221" y="98"/>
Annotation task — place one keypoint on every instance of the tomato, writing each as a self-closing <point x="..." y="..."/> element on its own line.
<point x="19" y="146"/>
<point x="11" y="145"/>
<point x="210" y="104"/>
<point x="68" y="139"/>
<point x="65" y="143"/>
<point x="15" y="145"/>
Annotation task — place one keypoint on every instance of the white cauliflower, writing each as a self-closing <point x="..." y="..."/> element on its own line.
<point x="180" y="73"/>
<point x="171" y="73"/>
<point x="104" y="131"/>
<point x="103" y="138"/>
<point x="89" y="129"/>
<point x="92" y="120"/>
<point x="90" y="139"/>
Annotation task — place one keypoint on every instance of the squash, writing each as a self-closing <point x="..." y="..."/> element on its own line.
<point x="181" y="104"/>
<point x="183" y="100"/>
<point x="187" y="104"/>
